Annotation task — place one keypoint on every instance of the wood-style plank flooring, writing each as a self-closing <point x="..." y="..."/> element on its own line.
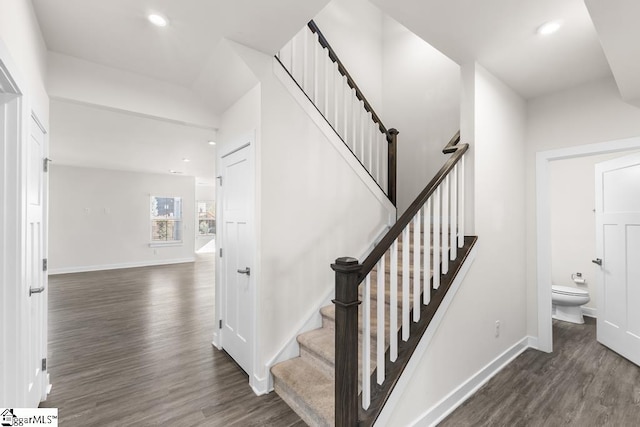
<point x="581" y="384"/>
<point x="133" y="347"/>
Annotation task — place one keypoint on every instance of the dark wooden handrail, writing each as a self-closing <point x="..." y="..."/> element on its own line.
<point x="349" y="275"/>
<point x="343" y="70"/>
<point x="395" y="231"/>
<point x="391" y="135"/>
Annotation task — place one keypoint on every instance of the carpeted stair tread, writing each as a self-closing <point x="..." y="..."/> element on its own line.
<point x="307" y="389"/>
<point x="306" y="383"/>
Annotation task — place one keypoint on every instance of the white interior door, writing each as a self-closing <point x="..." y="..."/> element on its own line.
<point x="34" y="331"/>
<point x="618" y="250"/>
<point x="236" y="261"/>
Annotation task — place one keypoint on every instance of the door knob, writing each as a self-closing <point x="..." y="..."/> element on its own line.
<point x="246" y="271"/>
<point x="597" y="261"/>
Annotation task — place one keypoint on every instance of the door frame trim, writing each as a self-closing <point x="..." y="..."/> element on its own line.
<point x="543" y="224"/>
<point x="224" y="149"/>
<point x="10" y="225"/>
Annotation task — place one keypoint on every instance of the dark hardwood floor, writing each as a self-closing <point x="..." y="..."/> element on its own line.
<point x="133" y="347"/>
<point x="582" y="383"/>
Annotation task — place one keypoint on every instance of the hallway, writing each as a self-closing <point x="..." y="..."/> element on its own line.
<point x="133" y="347"/>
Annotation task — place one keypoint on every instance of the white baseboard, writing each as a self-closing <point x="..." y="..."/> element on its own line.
<point x="313" y="320"/>
<point x="454" y="399"/>
<point x="589" y="312"/>
<point x="86" y="268"/>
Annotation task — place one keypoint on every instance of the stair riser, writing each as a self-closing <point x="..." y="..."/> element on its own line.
<point x="305" y="411"/>
<point x="328" y="365"/>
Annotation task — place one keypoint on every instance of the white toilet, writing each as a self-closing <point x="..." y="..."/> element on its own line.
<point x="566" y="302"/>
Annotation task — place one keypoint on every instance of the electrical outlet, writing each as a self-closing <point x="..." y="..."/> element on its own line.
<point x="155" y="252"/>
<point x="497" y="332"/>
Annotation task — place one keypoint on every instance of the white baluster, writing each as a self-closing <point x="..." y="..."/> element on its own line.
<point x="406" y="268"/>
<point x="305" y="62"/>
<point x="393" y="301"/>
<point x="427" y="253"/>
<point x="336" y="95"/>
<point x="379" y="166"/>
<point x="380" y="338"/>
<point x="384" y="153"/>
<point x="316" y="68"/>
<point x="445" y="225"/>
<point x="369" y="144"/>
<point x="361" y="133"/>
<point x="327" y="87"/>
<point x="436" y="238"/>
<point x="292" y="56"/>
<point x="354" y="122"/>
<point x="416" y="267"/>
<point x="366" y="344"/>
<point x="375" y="161"/>
<point x="461" y="204"/>
<point x="454" y="214"/>
<point x="346" y="91"/>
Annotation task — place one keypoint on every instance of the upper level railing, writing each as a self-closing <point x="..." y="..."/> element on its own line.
<point x="316" y="68"/>
<point x="411" y="269"/>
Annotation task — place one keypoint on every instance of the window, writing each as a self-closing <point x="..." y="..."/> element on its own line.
<point x="166" y="219"/>
<point x="206" y="218"/>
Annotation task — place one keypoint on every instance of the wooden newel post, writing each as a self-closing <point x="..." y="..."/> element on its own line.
<point x="392" y="138"/>
<point x="346" y="358"/>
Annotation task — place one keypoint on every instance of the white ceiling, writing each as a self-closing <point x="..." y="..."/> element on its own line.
<point x="500" y="35"/>
<point x="100" y="138"/>
<point x="189" y="52"/>
<point x="116" y="33"/>
<point x="619" y="33"/>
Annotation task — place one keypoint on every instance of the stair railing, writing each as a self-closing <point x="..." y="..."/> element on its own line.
<point x="316" y="68"/>
<point x="435" y="219"/>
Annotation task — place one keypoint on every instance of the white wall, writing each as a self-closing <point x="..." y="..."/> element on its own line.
<point x="353" y="28"/>
<point x="494" y="288"/>
<point x="412" y="86"/>
<point x="311" y="207"/>
<point x="586" y="114"/>
<point x="20" y="34"/>
<point x="99" y="219"/>
<point x="314" y="209"/>
<point x="90" y="83"/>
<point x="421" y="95"/>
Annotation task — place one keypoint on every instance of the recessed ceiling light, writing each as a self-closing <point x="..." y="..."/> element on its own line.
<point x="212" y="143"/>
<point x="175" y="172"/>
<point x="158" y="20"/>
<point x="549" y="28"/>
<point x="184" y="159"/>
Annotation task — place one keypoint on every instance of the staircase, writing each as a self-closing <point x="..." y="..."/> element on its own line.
<point x="348" y="368"/>
<point x="307" y="383"/>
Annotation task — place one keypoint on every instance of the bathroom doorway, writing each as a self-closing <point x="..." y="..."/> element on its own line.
<point x="562" y="253"/>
